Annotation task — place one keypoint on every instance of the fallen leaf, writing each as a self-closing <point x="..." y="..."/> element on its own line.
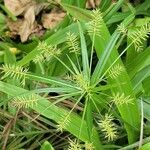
<point x="17" y="7"/>
<point x="14" y="26"/>
<point x="38" y="31"/>
<point x="28" y="24"/>
<point x="39" y="7"/>
<point x="50" y="20"/>
<point x="92" y="3"/>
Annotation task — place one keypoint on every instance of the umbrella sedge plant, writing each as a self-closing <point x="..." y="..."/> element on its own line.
<point x="99" y="91"/>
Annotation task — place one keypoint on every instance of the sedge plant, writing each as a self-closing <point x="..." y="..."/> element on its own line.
<point x="101" y="102"/>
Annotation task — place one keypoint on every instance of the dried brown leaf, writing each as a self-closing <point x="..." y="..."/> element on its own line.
<point x="50" y="20"/>
<point x="38" y="31"/>
<point x="29" y="16"/>
<point x="17" y="7"/>
<point x="92" y="3"/>
<point x="26" y="26"/>
<point x="14" y="25"/>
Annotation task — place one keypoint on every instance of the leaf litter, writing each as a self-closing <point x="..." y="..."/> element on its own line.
<point x="27" y="12"/>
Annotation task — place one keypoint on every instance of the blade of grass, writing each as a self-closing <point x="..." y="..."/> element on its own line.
<point x="84" y="52"/>
<point x="114" y="10"/>
<point x="13" y="17"/>
<point x="51" y="80"/>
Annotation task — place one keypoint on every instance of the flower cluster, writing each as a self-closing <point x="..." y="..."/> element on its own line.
<point x="73" y="43"/>
<point x="96" y="23"/>
<point x="25" y="101"/>
<point x="108" y="127"/>
<point x="14" y="72"/>
<point x="46" y="52"/>
<point x="115" y="71"/>
<point x="74" y="145"/>
<point x="139" y="36"/>
<point x="120" y="99"/>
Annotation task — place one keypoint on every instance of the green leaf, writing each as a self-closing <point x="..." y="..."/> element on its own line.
<point x="139" y="78"/>
<point x="104" y="59"/>
<point x="9" y="57"/>
<point x="139" y="62"/>
<point x="13" y="17"/>
<point x="89" y="117"/>
<point x="114" y="10"/>
<point x="146" y="106"/>
<point x="146" y="86"/>
<point x="84" y="52"/>
<point x="104" y="5"/>
<point x="145" y="147"/>
<point x="46" y="146"/>
<point x="78" y="13"/>
<point x="51" y="80"/>
<point x="2" y="19"/>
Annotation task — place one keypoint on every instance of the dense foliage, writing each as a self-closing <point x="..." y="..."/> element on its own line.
<point x="84" y="84"/>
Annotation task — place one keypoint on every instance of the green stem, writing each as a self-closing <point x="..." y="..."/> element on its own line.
<point x="136" y="144"/>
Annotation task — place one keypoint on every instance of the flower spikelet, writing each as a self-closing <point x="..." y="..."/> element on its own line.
<point x="25" y="101"/>
<point x="89" y="146"/>
<point x="42" y="46"/>
<point x="139" y="36"/>
<point x="63" y="123"/>
<point x="122" y="29"/>
<point x="96" y="23"/>
<point x="120" y="99"/>
<point x="115" y="71"/>
<point x="46" y="52"/>
<point x="108" y="127"/>
<point x="73" y="43"/>
<point x="15" y="72"/>
<point x="39" y="58"/>
<point x="80" y="81"/>
<point x="74" y="145"/>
